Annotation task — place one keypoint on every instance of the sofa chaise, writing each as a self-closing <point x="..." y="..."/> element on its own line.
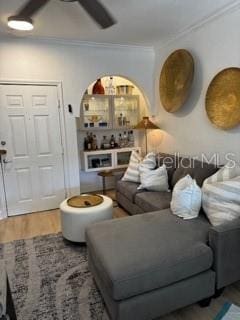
<point x="154" y="262"/>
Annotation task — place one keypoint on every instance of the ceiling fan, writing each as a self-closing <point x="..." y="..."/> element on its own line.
<point x="23" y="19"/>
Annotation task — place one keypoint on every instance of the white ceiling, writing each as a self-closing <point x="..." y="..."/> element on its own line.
<point x="140" y="22"/>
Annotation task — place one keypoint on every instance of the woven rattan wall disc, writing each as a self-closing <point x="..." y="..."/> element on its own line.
<point x="223" y="99"/>
<point x="176" y="79"/>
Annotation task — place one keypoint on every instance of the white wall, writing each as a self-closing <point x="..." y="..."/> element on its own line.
<point x="214" y="47"/>
<point x="75" y="66"/>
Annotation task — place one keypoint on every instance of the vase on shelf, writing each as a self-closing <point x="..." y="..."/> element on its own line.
<point x="98" y="87"/>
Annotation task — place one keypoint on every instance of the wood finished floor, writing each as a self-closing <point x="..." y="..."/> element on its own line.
<point x="39" y="223"/>
<point x="42" y="223"/>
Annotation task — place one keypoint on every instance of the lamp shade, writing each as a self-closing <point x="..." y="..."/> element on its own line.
<point x="145" y="123"/>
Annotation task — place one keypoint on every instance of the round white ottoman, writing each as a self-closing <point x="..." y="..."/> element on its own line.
<point x="75" y="220"/>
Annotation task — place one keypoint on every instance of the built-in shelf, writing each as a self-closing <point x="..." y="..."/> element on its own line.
<point x="103" y="112"/>
<point x="106" y="159"/>
<point x="105" y="129"/>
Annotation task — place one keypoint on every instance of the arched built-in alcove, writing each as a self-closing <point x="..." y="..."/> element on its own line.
<point x="99" y="125"/>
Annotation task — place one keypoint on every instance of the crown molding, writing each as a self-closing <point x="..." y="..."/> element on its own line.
<point x="229" y="8"/>
<point x="78" y="43"/>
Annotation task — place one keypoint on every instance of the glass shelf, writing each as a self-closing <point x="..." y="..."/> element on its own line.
<point x="96" y="112"/>
<point x="126" y="110"/>
<point x="109" y="112"/>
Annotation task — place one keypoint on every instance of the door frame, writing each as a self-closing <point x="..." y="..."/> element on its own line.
<point x="3" y="200"/>
<point x="59" y="87"/>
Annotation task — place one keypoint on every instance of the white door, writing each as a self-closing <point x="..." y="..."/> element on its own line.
<point x="33" y="168"/>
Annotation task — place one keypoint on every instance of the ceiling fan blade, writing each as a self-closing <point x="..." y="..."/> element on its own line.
<point x="98" y="12"/>
<point x="31" y="7"/>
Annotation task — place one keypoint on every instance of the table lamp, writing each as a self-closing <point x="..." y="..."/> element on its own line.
<point x="146" y="124"/>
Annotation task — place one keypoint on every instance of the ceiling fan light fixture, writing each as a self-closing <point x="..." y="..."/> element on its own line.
<point x="20" y="23"/>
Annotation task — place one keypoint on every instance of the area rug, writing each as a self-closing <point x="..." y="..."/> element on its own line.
<point x="229" y="312"/>
<point x="50" y="280"/>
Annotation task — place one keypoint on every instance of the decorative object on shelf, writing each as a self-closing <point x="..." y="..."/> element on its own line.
<point x="223" y="99"/>
<point x="94" y="143"/>
<point x="125" y="139"/>
<point x="98" y="87"/>
<point x="103" y="124"/>
<point x="110" y="89"/>
<point x="85" y="201"/>
<point x="130" y="139"/>
<point x="112" y="141"/>
<point x="105" y="144"/>
<point x="94" y="118"/>
<point x="146" y="124"/>
<point x="176" y="79"/>
<point x="90" y="142"/>
<point x="86" y="106"/>
<point x="121" y="120"/>
<point x="109" y="111"/>
<point x="125" y="89"/>
<point x="120" y="144"/>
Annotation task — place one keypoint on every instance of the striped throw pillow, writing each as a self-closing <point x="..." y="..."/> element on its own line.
<point x="132" y="173"/>
<point x="221" y="195"/>
<point x="136" y="166"/>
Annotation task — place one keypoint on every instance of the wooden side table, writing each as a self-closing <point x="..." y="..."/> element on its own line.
<point x="108" y="173"/>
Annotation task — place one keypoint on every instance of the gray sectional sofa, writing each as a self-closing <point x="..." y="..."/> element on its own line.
<point x="135" y="201"/>
<point x="154" y="262"/>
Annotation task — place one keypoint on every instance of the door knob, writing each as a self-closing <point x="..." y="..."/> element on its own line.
<point x="6" y="161"/>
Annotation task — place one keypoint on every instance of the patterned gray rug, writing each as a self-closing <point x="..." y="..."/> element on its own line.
<point x="50" y="280"/>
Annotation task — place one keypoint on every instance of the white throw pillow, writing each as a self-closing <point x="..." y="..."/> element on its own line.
<point x="154" y="180"/>
<point x="132" y="173"/>
<point x="148" y="163"/>
<point x="221" y="195"/>
<point x="186" y="198"/>
<point x="136" y="166"/>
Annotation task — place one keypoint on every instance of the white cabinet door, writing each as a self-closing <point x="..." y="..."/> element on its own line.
<point x="33" y="172"/>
